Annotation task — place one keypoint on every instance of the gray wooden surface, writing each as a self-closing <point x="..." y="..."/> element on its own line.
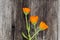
<point x="58" y="19"/>
<point x="11" y="15"/>
<point x="5" y="19"/>
<point x="46" y="10"/>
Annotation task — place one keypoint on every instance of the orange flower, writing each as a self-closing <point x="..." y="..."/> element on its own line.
<point x="26" y="11"/>
<point x="33" y="19"/>
<point x="43" y="26"/>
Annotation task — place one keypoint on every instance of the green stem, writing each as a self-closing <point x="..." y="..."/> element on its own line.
<point x="27" y="26"/>
<point x="35" y="28"/>
<point x="35" y="31"/>
<point x="26" y="20"/>
<point x="35" y="34"/>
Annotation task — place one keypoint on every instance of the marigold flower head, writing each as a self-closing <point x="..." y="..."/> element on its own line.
<point x="33" y="19"/>
<point x="43" y="26"/>
<point x="26" y="11"/>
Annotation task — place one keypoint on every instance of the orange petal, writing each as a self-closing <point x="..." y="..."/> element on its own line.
<point x="33" y="19"/>
<point x="43" y="25"/>
<point x="26" y="10"/>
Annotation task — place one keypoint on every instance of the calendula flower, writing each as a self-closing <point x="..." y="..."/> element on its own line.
<point x="33" y="19"/>
<point x="43" y="26"/>
<point x="26" y="11"/>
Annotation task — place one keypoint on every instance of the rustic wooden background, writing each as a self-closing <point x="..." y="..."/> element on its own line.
<point x="12" y="20"/>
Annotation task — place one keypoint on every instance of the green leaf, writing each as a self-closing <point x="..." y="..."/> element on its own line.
<point x="24" y="35"/>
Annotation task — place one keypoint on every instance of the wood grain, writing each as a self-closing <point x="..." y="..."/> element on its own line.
<point x="46" y="10"/>
<point x="11" y="15"/>
<point x="5" y="20"/>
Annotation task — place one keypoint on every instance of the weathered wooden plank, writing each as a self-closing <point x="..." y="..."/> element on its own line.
<point x="19" y="21"/>
<point x="52" y="10"/>
<point x="5" y="20"/>
<point x="58" y="19"/>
